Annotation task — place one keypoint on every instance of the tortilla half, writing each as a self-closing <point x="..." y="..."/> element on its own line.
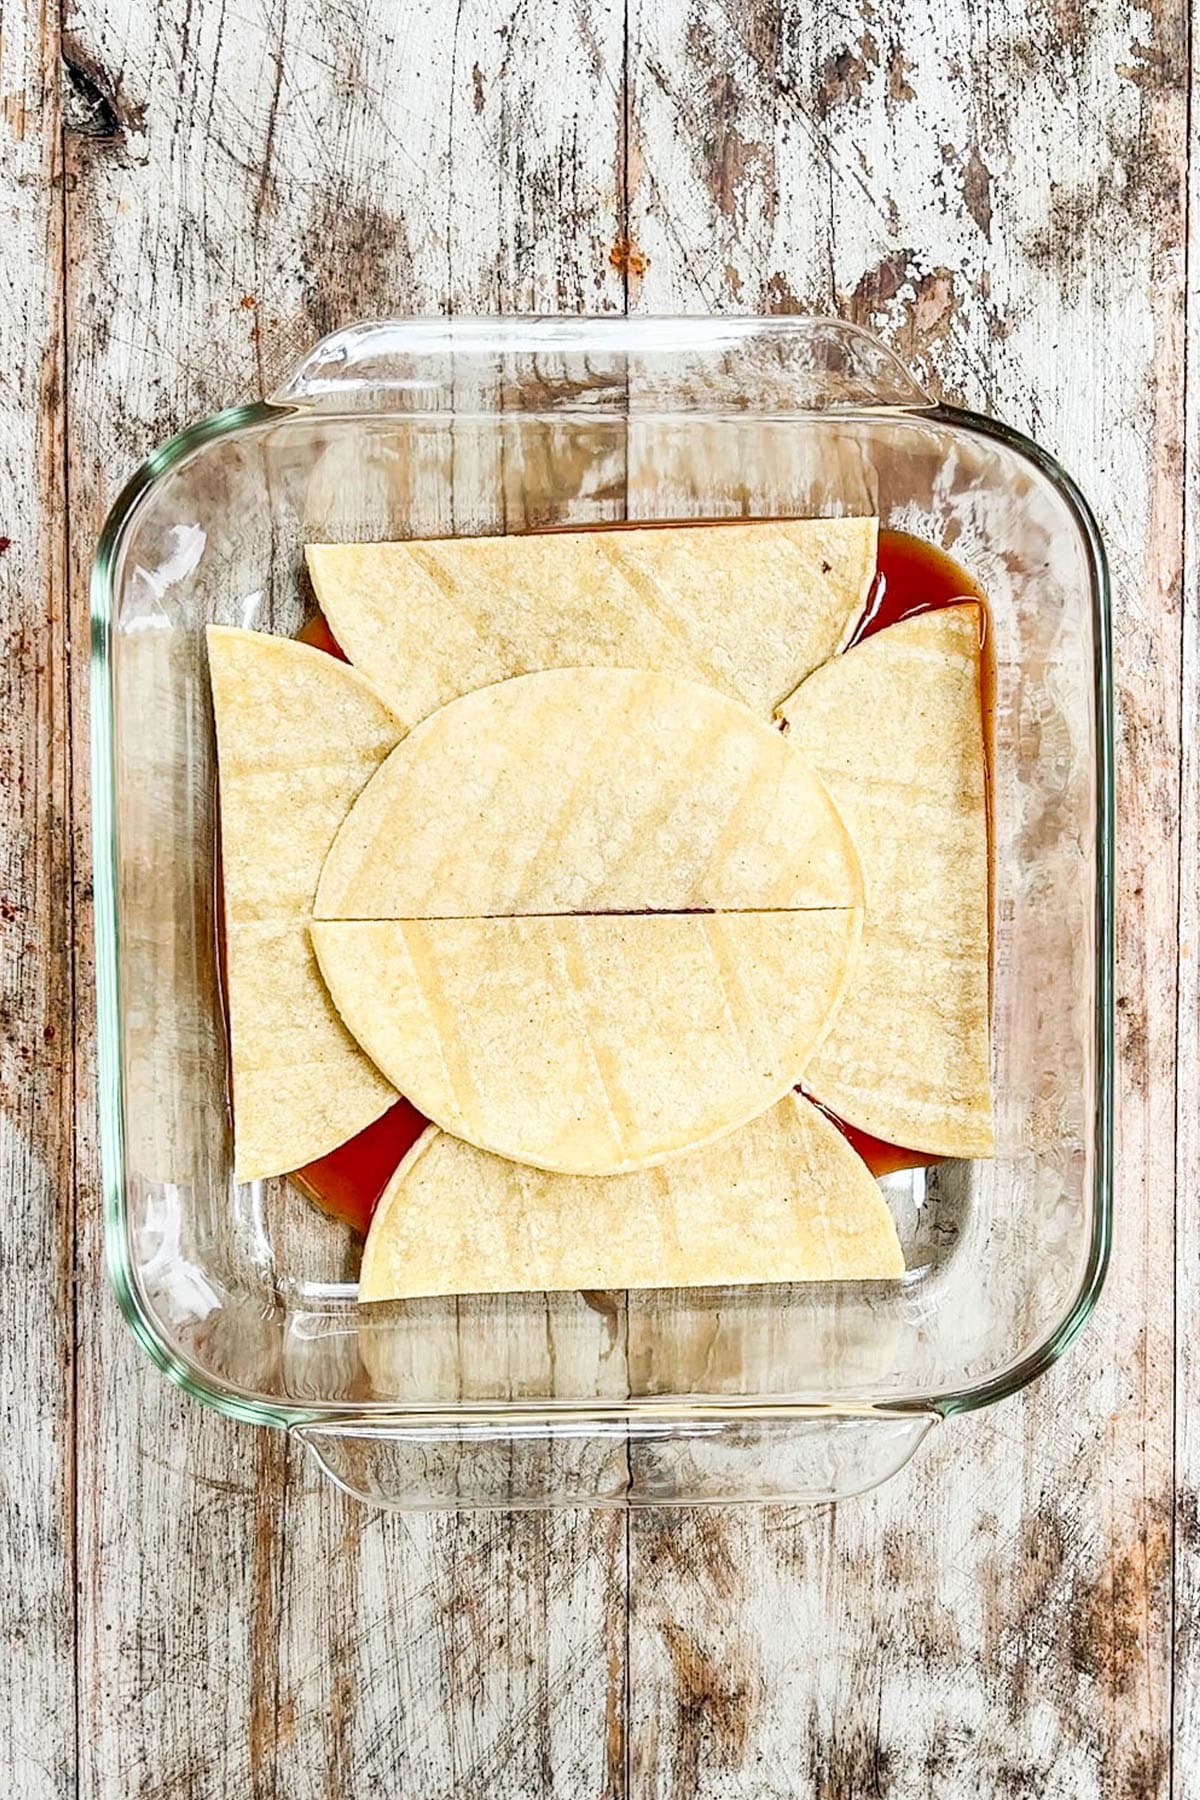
<point x="590" y="791"/>
<point x="749" y="608"/>
<point x="784" y="1199"/>
<point x="298" y="736"/>
<point x="895" y="729"/>
<point x="590" y="1045"/>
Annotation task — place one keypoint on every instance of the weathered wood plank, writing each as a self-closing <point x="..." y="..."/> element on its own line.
<point x="452" y="1657"/>
<point x="177" y="1539"/>
<point x="999" y="195"/>
<point x="37" y="1727"/>
<point x="239" y="185"/>
<point x="1186" y="1736"/>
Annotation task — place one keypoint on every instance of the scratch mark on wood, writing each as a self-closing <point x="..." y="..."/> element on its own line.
<point x="1109" y="1615"/>
<point x="716" y="1697"/>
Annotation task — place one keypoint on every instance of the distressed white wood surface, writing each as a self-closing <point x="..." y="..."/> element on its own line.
<point x="1000" y="193"/>
<point x="1186" y="1733"/>
<point x="37" y="1720"/>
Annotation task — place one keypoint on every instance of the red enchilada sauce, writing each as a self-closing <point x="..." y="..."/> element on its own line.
<point x="911" y="577"/>
<point x="349" y="1182"/>
<point x="318" y="634"/>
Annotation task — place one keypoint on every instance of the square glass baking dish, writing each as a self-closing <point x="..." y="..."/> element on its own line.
<point x="246" y="1295"/>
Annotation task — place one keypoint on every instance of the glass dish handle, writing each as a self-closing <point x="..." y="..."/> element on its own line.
<point x="774" y="367"/>
<point x="427" y="1462"/>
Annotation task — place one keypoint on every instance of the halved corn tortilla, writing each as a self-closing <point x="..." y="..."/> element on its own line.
<point x="589" y="791"/>
<point x="895" y="729"/>
<point x="590" y="1045"/>
<point x="298" y="736"/>
<point x="783" y="1199"/>
<point x="748" y="608"/>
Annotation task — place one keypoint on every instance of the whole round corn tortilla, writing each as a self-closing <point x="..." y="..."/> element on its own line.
<point x="783" y="1199"/>
<point x="298" y="736"/>
<point x="748" y="608"/>
<point x="590" y="791"/>
<point x="895" y="729"/>
<point x="590" y="1045"/>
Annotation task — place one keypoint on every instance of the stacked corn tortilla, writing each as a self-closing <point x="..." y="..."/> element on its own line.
<point x="540" y="861"/>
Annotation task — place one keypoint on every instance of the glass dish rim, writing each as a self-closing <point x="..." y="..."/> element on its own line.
<point x="239" y="1404"/>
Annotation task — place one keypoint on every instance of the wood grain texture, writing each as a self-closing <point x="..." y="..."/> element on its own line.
<point x="37" y="1722"/>
<point x="1000" y="192"/>
<point x="1186" y="1518"/>
<point x="452" y="1657"/>
<point x="1000" y="196"/>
